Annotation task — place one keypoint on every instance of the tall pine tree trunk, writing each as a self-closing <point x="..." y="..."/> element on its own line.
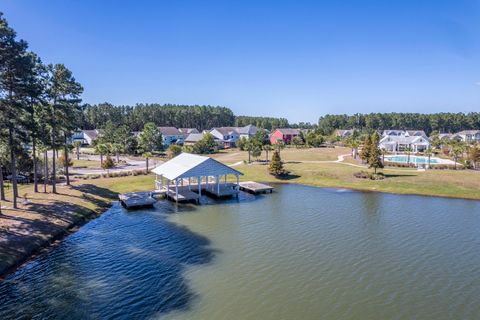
<point x="2" y="186"/>
<point x="54" y="167"/>
<point x="45" y="171"/>
<point x="35" y="176"/>
<point x="66" y="159"/>
<point x="13" y="160"/>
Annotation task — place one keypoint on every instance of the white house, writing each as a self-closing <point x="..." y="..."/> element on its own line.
<point x="468" y="135"/>
<point x="248" y="131"/>
<point x="400" y="140"/>
<point x="228" y="136"/>
<point x="86" y="137"/>
<point x="171" y="135"/>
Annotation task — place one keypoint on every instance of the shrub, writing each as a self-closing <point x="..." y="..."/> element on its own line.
<point x="361" y="175"/>
<point x="108" y="163"/>
<point x="62" y="162"/>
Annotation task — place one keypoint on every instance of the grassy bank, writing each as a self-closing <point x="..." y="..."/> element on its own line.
<point x="45" y="217"/>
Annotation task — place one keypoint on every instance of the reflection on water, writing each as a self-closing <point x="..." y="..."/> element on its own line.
<point x="300" y="253"/>
<point x="124" y="264"/>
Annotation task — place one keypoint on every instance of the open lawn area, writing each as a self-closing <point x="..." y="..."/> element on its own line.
<point x="91" y="164"/>
<point x="288" y="154"/>
<point x="445" y="183"/>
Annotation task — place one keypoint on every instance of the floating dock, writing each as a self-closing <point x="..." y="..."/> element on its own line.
<point x="135" y="200"/>
<point x="255" y="187"/>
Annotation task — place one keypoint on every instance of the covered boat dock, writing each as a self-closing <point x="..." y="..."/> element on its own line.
<point x="184" y="177"/>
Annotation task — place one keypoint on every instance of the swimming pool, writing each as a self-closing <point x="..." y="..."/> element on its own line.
<point x="413" y="159"/>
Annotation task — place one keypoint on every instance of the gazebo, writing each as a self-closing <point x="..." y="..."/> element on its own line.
<point x="184" y="177"/>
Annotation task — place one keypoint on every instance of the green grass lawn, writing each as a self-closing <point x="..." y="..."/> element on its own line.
<point x="446" y="183"/>
<point x="91" y="164"/>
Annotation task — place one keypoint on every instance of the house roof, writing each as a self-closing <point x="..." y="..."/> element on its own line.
<point x="445" y="135"/>
<point x="92" y="134"/>
<point x="417" y="133"/>
<point x="188" y="165"/>
<point x="342" y="133"/>
<point x="194" y="137"/>
<point x="465" y="132"/>
<point x="188" y="130"/>
<point x="288" y="131"/>
<point x="419" y="140"/>
<point x="248" y="129"/>
<point x="169" y="131"/>
<point x="226" y="130"/>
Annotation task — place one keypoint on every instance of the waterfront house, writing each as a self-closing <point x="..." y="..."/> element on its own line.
<point x="227" y="136"/>
<point x="186" y="176"/>
<point x="171" y="135"/>
<point x="284" y="134"/>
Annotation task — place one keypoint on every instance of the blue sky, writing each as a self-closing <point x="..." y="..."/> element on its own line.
<point x="293" y="59"/>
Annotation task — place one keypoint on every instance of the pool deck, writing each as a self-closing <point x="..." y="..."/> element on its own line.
<point x="433" y="160"/>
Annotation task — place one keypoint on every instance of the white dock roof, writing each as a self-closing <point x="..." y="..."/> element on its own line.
<point x="188" y="165"/>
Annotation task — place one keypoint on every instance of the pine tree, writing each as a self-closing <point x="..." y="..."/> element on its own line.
<point x="374" y="158"/>
<point x="151" y="138"/>
<point x="63" y="92"/>
<point x="14" y="71"/>
<point x="276" y="166"/>
<point x="366" y="149"/>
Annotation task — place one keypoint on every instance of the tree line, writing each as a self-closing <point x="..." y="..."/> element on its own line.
<point x="268" y="123"/>
<point x="39" y="109"/>
<point x="180" y="116"/>
<point x="135" y="117"/>
<point x="439" y="122"/>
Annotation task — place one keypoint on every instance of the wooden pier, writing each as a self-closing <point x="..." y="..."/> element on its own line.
<point x="255" y="187"/>
<point x="135" y="200"/>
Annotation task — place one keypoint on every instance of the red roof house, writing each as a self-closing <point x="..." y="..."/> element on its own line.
<point x="284" y="134"/>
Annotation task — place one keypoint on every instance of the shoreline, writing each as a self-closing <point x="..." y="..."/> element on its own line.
<point x="34" y="249"/>
<point x="17" y="249"/>
<point x="379" y="191"/>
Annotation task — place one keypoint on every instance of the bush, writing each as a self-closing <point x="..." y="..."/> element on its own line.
<point x="361" y="175"/>
<point x="108" y="163"/>
<point x="372" y="176"/>
<point x="376" y="176"/>
<point x="62" y="162"/>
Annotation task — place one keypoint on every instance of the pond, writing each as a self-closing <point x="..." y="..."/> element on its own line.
<point x="299" y="253"/>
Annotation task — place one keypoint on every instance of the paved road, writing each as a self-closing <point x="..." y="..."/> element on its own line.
<point x="129" y="166"/>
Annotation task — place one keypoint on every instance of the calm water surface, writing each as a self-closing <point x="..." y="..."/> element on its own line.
<point x="300" y="253"/>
